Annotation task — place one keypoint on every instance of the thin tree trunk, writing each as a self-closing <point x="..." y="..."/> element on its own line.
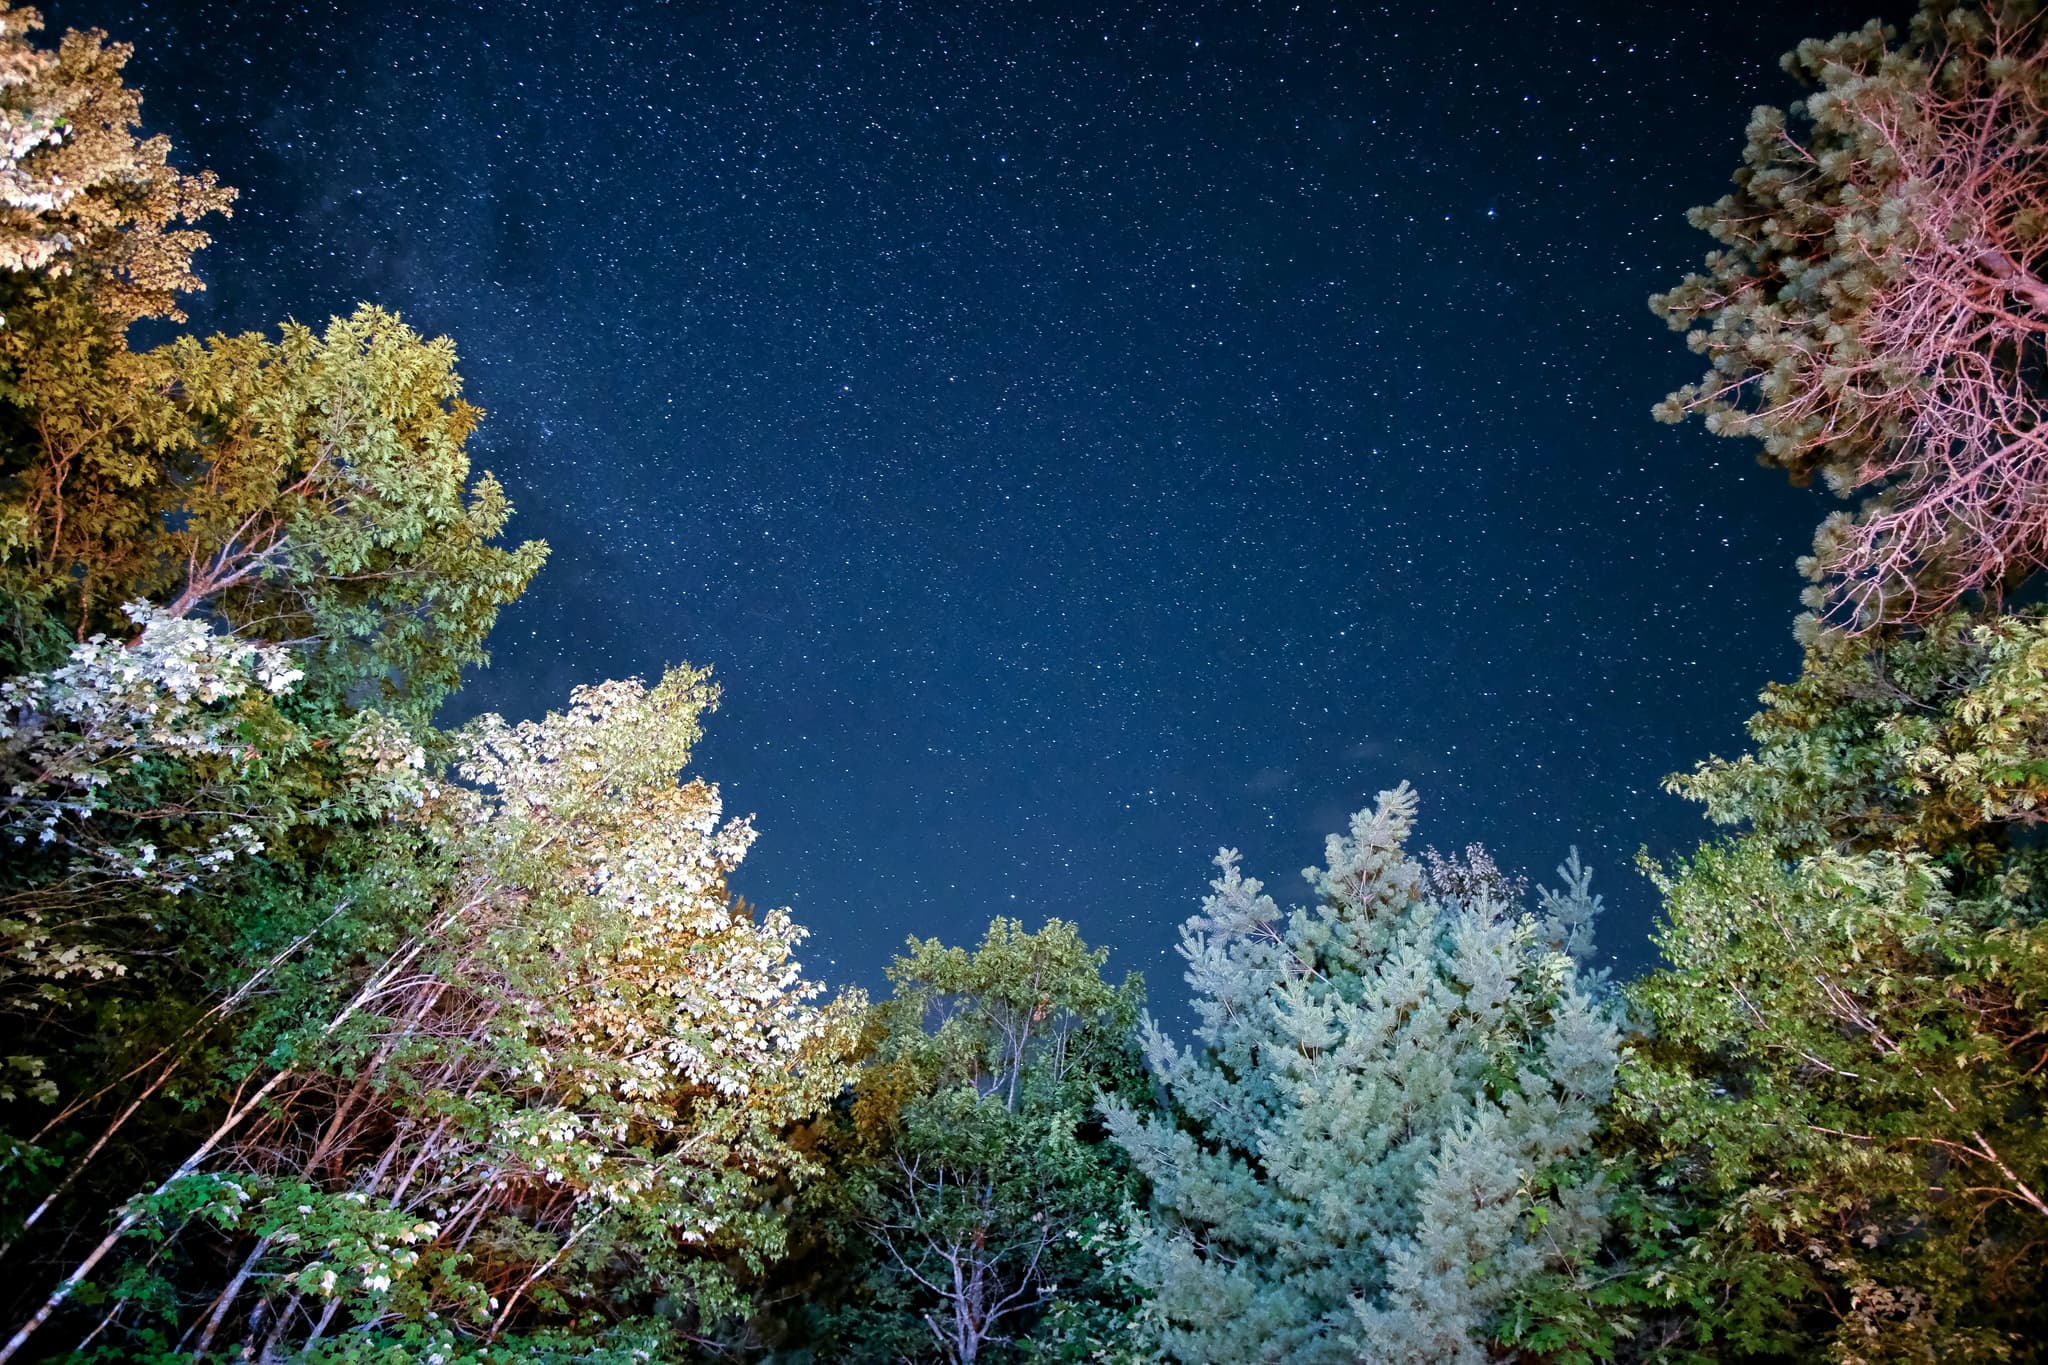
<point x="133" y="1216"/>
<point x="371" y="989"/>
<point x="241" y="992"/>
<point x="505" y="1313"/>
<point x="228" y="1296"/>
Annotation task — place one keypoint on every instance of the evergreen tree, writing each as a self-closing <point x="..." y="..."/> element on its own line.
<point x="1385" y="1128"/>
<point x="1877" y="307"/>
<point x="1839" y="1097"/>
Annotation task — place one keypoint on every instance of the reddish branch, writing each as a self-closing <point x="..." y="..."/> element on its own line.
<point x="260" y="539"/>
<point x="1929" y="388"/>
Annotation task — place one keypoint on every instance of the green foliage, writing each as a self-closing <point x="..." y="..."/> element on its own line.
<point x="1933" y="741"/>
<point x="1020" y="1007"/>
<point x="181" y="804"/>
<point x="1387" y="1127"/>
<point x="1848" y="1074"/>
<point x="90" y="243"/>
<point x="1838" y="1100"/>
<point x="554" y="1106"/>
<point x="215" y="992"/>
<point x="339" y="508"/>
<point x="1844" y="1084"/>
<point x="339" y="1038"/>
<point x="312" y="491"/>
<point x="151" y="793"/>
<point x="980" y="1210"/>
<point x="129" y="776"/>
<point x="537" y="1088"/>
<point x="407" y="1065"/>
<point x="1835" y="1105"/>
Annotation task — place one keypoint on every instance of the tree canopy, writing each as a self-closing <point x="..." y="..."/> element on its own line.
<point x="1382" y="1130"/>
<point x="1877" y="306"/>
<point x="339" y="1034"/>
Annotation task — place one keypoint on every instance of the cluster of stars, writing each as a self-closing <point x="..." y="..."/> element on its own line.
<point x="1079" y="436"/>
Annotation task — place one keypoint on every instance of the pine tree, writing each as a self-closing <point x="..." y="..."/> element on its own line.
<point x="1839" y="1095"/>
<point x="1384" y="1129"/>
<point x="1877" y="308"/>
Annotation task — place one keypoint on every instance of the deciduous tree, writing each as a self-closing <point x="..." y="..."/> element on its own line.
<point x="313" y="490"/>
<point x="81" y="197"/>
<point x="546" y="1114"/>
<point x="1849" y="1046"/>
<point x="982" y="1198"/>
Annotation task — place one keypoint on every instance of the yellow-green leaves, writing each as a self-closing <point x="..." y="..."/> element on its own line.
<point x="1921" y="742"/>
<point x="311" y="488"/>
<point x="80" y="195"/>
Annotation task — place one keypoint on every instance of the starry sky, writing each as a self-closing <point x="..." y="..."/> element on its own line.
<point x="1078" y="436"/>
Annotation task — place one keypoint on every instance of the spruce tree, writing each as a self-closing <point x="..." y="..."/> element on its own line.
<point x="1383" y="1128"/>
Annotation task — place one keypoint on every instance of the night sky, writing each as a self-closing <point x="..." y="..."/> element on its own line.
<point x="1077" y="437"/>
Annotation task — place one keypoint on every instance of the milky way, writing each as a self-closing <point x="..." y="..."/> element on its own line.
<point x="1078" y="438"/>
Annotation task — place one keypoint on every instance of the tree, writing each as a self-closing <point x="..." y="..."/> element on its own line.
<point x="329" y="1050"/>
<point x="80" y="197"/>
<point x="981" y="1199"/>
<point x="544" y="1114"/>
<point x="128" y="776"/>
<point x="1385" y="1129"/>
<point x="1877" y="311"/>
<point x="1848" y="1054"/>
<point x="309" y="495"/>
<point x="1838" y="1094"/>
<point x="313" y="490"/>
<point x="90" y="243"/>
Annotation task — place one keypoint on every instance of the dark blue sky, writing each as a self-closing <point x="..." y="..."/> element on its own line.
<point x="1078" y="437"/>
